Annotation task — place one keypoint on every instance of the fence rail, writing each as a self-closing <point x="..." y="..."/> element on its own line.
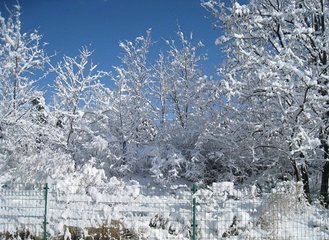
<point x="217" y="213"/>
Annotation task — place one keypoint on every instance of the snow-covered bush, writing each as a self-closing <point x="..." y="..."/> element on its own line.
<point x="175" y="225"/>
<point x="220" y="192"/>
<point x="167" y="164"/>
<point x="114" y="229"/>
<point x="285" y="200"/>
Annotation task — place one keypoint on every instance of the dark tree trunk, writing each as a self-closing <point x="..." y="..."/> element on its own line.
<point x="301" y="174"/>
<point x="325" y="169"/>
<point x="306" y="183"/>
<point x="124" y="151"/>
<point x="324" y="184"/>
<point x="296" y="170"/>
<point x="323" y="130"/>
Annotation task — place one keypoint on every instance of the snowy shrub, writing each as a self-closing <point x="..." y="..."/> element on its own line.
<point x="220" y="191"/>
<point x="240" y="223"/>
<point x="113" y="229"/>
<point x="167" y="164"/>
<point x="56" y="168"/>
<point x="174" y="224"/>
<point x="86" y="175"/>
<point x="38" y="167"/>
<point x="114" y="187"/>
<point x="285" y="200"/>
<point x="19" y="234"/>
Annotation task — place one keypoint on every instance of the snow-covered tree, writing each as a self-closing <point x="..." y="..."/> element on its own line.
<point x="22" y="63"/>
<point x="184" y="101"/>
<point x="276" y="67"/>
<point x="76" y="85"/>
<point x="23" y="123"/>
<point x="185" y="79"/>
<point x="135" y="118"/>
<point x="161" y="89"/>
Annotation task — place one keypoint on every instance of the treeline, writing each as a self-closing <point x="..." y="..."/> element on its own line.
<point x="265" y="119"/>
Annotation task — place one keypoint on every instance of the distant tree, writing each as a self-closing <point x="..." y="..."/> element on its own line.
<point x="135" y="116"/>
<point x="76" y="86"/>
<point x="23" y="115"/>
<point x="185" y="78"/>
<point x="161" y="89"/>
<point x="184" y="102"/>
<point x="22" y="62"/>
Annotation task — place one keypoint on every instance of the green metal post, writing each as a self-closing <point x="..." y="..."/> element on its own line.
<point x="194" y="189"/>
<point x="45" y="235"/>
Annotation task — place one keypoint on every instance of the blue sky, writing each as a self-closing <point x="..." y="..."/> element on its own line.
<point x="67" y="25"/>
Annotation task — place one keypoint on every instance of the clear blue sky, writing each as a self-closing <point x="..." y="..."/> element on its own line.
<point x="69" y="24"/>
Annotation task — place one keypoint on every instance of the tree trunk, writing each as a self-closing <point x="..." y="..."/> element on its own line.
<point x="324" y="185"/>
<point x="301" y="174"/>
<point x="296" y="170"/>
<point x="325" y="171"/>
<point x="124" y="151"/>
<point x="323" y="131"/>
<point x="306" y="183"/>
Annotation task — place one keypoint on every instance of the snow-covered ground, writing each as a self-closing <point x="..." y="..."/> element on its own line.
<point x="138" y="211"/>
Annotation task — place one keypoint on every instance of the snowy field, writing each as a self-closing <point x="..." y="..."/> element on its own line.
<point x="133" y="211"/>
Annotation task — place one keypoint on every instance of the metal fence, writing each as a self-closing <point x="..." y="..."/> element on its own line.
<point x="22" y="211"/>
<point x="260" y="220"/>
<point x="283" y="214"/>
<point x="30" y="212"/>
<point x="101" y="214"/>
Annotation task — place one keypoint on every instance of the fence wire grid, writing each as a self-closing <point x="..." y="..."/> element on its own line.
<point x="22" y="209"/>
<point x="36" y="212"/>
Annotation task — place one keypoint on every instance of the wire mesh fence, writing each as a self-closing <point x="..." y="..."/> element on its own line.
<point x="283" y="214"/>
<point x="257" y="220"/>
<point x="21" y="211"/>
<point x="98" y="213"/>
<point x="219" y="212"/>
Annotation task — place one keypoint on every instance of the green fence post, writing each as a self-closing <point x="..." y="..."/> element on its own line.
<point x="45" y="235"/>
<point x="194" y="225"/>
